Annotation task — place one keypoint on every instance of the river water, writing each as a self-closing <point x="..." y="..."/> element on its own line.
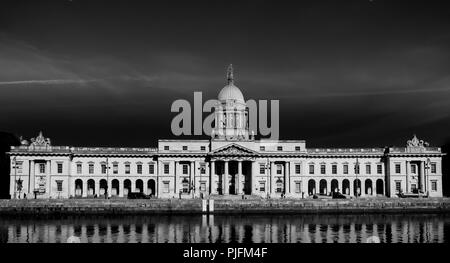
<point x="401" y="228"/>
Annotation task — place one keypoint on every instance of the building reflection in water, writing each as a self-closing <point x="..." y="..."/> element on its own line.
<point x="226" y="229"/>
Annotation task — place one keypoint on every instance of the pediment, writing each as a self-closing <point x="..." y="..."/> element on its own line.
<point x="233" y="149"/>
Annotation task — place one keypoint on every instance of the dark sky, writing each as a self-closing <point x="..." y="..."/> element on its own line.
<point x="105" y="73"/>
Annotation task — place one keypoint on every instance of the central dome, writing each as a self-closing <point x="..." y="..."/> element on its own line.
<point x="230" y="92"/>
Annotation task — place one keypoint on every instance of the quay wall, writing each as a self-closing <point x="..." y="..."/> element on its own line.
<point x="221" y="206"/>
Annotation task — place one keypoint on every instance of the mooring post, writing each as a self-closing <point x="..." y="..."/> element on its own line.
<point x="204" y="206"/>
<point x="211" y="205"/>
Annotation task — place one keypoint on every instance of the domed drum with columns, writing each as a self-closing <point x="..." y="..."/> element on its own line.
<point x="231" y="117"/>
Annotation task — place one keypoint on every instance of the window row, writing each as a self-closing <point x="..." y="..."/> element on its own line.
<point x="263" y="168"/>
<point x="184" y="147"/>
<point x="279" y="148"/>
<point x="414" y="168"/>
<point x="139" y="168"/>
<point x="115" y="168"/>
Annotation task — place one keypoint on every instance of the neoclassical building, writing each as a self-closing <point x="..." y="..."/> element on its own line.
<point x="232" y="162"/>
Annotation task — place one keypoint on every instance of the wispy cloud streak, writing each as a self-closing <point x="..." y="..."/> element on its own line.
<point x="46" y="82"/>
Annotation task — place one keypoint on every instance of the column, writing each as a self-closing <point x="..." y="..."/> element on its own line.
<point x="144" y="186"/>
<point x="351" y="183"/>
<point x="422" y="175"/>
<point x="175" y="184"/>
<point x="192" y="176"/>
<point x="239" y="176"/>
<point x="31" y="180"/>
<point x="287" y="179"/>
<point x="85" y="188"/>
<point x="49" y="182"/>
<point x="225" y="179"/>
<point x="374" y="187"/>
<point x="272" y="177"/>
<point x="97" y="187"/>
<point x="109" y="186"/>
<point x="253" y="183"/>
<point x="120" y="188"/>
<point x="407" y="176"/>
<point x="212" y="178"/>
<point x="363" y="186"/>
<point x="157" y="178"/>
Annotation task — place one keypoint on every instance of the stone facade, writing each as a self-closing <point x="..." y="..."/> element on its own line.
<point x="232" y="162"/>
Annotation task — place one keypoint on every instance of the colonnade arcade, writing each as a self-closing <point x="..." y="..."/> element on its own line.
<point x="118" y="187"/>
<point x="231" y="176"/>
<point x="348" y="186"/>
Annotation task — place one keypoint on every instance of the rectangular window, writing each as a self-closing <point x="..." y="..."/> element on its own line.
<point x="166" y="168"/>
<point x="42" y="168"/>
<point x="322" y="169"/>
<point x="151" y="168"/>
<point x="185" y="169"/>
<point x="345" y="168"/>
<point x="398" y="186"/>
<point x="368" y="169"/>
<point x="139" y="168"/>
<point x="202" y="148"/>
<point x="413" y="169"/>
<point x="115" y="168"/>
<point x="185" y="148"/>
<point x="19" y="167"/>
<point x="262" y="186"/>
<point x="298" y="187"/>
<point x="79" y="167"/>
<point x="379" y="169"/>
<point x="397" y="168"/>
<point x="311" y="169"/>
<point x="433" y="168"/>
<point x="262" y="168"/>
<point x="166" y="148"/>
<point x="60" y="168"/>
<point x="91" y="168"/>
<point x="202" y="168"/>
<point x="262" y="148"/>
<point x="59" y="185"/>
<point x="413" y="187"/>
<point x="334" y="169"/>
<point x="185" y="185"/>
<point x="166" y="186"/>
<point x="279" y="186"/>
<point x="279" y="169"/>
<point x="127" y="168"/>
<point x="280" y="148"/>
<point x="203" y="186"/>
<point x="103" y="168"/>
<point x="297" y="148"/>
<point x="433" y="185"/>
<point x="356" y="168"/>
<point x="298" y="169"/>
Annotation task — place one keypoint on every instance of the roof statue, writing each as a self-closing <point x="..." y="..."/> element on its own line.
<point x="231" y="93"/>
<point x="40" y="140"/>
<point x="23" y="141"/>
<point x="230" y="77"/>
<point x="414" y="142"/>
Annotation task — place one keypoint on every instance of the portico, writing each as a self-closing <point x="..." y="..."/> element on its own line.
<point x="231" y="170"/>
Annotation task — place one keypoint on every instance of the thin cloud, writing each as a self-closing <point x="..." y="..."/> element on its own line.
<point x="46" y="82"/>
